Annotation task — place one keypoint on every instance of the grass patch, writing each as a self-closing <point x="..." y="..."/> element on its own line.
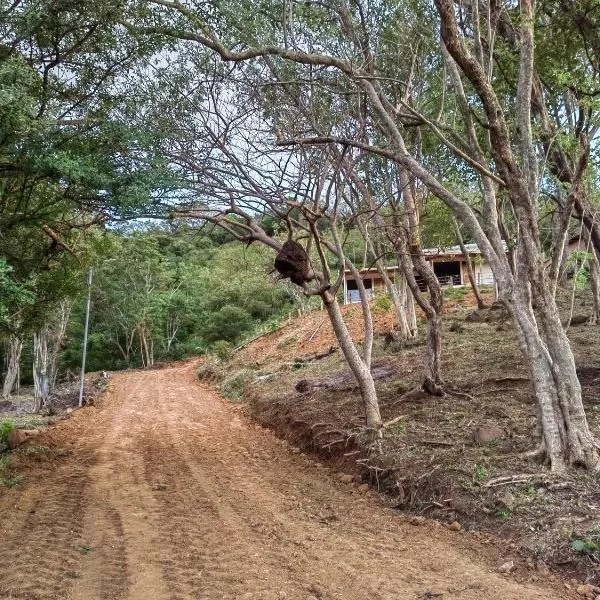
<point x="288" y="341"/>
<point x="455" y="293"/>
<point x="6" y="428"/>
<point x="8" y="478"/>
<point x="38" y="450"/>
<point x="234" y="385"/>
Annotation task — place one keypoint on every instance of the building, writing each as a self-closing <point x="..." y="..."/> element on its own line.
<point x="449" y="265"/>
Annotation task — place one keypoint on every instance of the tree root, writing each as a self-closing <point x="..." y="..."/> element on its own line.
<point x="433" y="388"/>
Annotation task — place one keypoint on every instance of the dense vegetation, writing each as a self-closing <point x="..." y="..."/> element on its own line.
<point x="160" y="295"/>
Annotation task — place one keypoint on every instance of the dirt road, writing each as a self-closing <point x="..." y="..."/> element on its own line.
<point x="166" y="492"/>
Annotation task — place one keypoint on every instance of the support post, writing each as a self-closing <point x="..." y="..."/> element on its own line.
<point x="85" y="338"/>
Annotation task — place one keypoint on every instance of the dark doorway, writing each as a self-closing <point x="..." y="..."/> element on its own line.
<point x="352" y="295"/>
<point x="448" y="273"/>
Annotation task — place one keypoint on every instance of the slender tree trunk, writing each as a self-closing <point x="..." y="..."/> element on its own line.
<point x="433" y="382"/>
<point x="470" y="273"/>
<point x="399" y="305"/>
<point x="411" y="309"/>
<point x="594" y="267"/>
<point x="14" y="348"/>
<point x="432" y="379"/>
<point x="433" y="306"/>
<point x="146" y="346"/>
<point x="359" y="368"/>
<point x="41" y="380"/>
<point x="56" y="342"/>
<point x="559" y="241"/>
<point x="366" y="311"/>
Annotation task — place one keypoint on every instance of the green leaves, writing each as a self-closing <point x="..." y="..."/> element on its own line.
<point x="585" y="546"/>
<point x="15" y="297"/>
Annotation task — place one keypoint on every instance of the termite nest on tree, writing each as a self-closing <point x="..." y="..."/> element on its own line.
<point x="292" y="262"/>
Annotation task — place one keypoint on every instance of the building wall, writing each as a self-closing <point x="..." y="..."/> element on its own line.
<point x="484" y="275"/>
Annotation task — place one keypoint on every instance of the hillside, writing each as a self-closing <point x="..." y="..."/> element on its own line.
<point x="435" y="461"/>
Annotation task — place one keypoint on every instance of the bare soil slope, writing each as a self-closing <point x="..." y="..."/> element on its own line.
<point x="165" y="491"/>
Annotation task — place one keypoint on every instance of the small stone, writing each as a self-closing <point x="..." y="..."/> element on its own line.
<point x="530" y="564"/>
<point x="506" y="567"/>
<point x="508" y="500"/>
<point x="490" y="432"/>
<point x="346" y="478"/>
<point x="585" y="590"/>
<point x="69" y="410"/>
<point x="542" y="567"/>
<point x="418" y="520"/>
<point x="363" y="487"/>
<point x="282" y="595"/>
<point x="455" y="526"/>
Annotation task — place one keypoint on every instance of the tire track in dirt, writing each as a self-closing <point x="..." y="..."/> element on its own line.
<point x="40" y="556"/>
<point x="170" y="494"/>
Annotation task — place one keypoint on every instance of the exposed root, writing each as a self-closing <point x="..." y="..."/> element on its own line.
<point x="453" y="392"/>
<point x="394" y="421"/>
<point x="538" y="453"/>
<point x="414" y="395"/>
<point x="432" y="388"/>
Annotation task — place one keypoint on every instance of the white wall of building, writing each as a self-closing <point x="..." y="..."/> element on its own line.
<point x="483" y="274"/>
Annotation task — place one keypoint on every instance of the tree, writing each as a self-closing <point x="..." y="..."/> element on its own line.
<point x="494" y="140"/>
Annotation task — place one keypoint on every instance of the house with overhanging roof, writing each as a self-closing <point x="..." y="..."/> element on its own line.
<point x="449" y="264"/>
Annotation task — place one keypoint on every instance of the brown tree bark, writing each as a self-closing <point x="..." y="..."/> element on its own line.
<point x="14" y="347"/>
<point x="470" y="273"/>
<point x="41" y="380"/>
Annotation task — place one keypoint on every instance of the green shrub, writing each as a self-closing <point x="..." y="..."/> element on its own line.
<point x="229" y="323"/>
<point x="586" y="546"/>
<point x="209" y="371"/>
<point x="233" y="386"/>
<point x="222" y="349"/>
<point x="383" y="304"/>
<point x="5" y="428"/>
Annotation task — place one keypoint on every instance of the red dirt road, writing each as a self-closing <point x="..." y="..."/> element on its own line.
<point x="166" y="492"/>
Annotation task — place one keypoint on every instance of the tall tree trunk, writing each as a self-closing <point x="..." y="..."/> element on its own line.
<point x="470" y="272"/>
<point x="432" y="306"/>
<point x="14" y="347"/>
<point x="41" y="381"/>
<point x="594" y="267"/>
<point x="359" y="368"/>
<point x="566" y="438"/>
<point x="56" y="342"/>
